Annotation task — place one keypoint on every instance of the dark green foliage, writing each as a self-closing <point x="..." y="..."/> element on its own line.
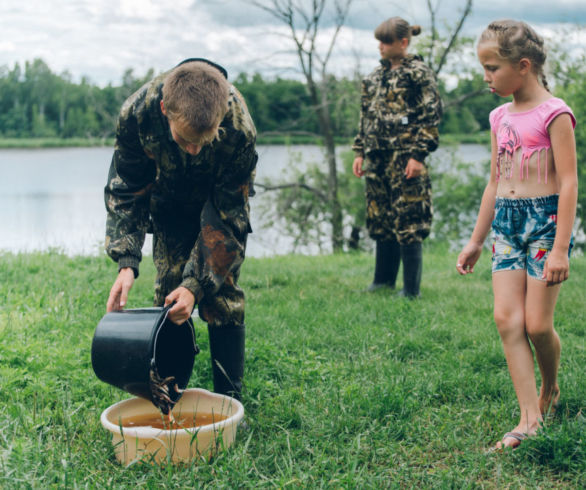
<point x="457" y="192"/>
<point x="37" y="103"/>
<point x="465" y="114"/>
<point x="280" y="105"/>
<point x="573" y="91"/>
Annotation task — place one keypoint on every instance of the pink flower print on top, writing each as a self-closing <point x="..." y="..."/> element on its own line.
<point x="509" y="142"/>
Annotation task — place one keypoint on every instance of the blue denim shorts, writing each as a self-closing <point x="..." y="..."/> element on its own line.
<point x="523" y="233"/>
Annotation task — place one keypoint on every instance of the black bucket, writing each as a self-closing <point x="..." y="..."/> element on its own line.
<point x="129" y="344"/>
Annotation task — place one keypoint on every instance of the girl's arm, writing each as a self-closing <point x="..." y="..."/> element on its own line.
<point x="563" y="146"/>
<point x="471" y="252"/>
<point x="358" y="145"/>
<point x="424" y="118"/>
<point x="424" y="114"/>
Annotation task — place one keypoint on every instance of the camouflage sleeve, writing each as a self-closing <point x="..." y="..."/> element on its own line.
<point x="127" y="195"/>
<point x="225" y="219"/>
<point x="427" y="114"/>
<point x="358" y="145"/>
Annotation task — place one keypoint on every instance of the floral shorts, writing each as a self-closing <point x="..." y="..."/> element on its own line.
<point x="523" y="233"/>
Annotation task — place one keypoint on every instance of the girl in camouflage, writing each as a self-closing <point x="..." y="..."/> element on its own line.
<point x="400" y="112"/>
<point x="530" y="200"/>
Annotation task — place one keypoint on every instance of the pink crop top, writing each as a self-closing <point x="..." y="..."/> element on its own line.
<point x="527" y="131"/>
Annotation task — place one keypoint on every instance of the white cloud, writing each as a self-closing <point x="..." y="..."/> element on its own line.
<point x="102" y="38"/>
<point x="7" y="46"/>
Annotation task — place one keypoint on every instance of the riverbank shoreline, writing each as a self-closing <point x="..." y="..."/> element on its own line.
<point x="32" y="143"/>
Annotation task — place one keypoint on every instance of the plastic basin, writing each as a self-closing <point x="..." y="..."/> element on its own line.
<point x="148" y="444"/>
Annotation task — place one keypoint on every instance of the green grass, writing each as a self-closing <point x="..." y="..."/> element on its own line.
<point x="343" y="389"/>
<point x="30" y="143"/>
<point x="263" y="139"/>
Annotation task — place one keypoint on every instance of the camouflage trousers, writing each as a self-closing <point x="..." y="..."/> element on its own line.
<point x="171" y="251"/>
<point x="397" y="208"/>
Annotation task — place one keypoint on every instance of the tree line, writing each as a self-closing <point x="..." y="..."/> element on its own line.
<point x="35" y="102"/>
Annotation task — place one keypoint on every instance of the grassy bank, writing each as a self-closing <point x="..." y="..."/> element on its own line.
<point x="343" y="389"/>
<point x="31" y="143"/>
<point x="268" y="139"/>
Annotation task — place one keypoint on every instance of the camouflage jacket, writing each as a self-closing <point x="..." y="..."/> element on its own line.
<point x="152" y="178"/>
<point x="400" y="110"/>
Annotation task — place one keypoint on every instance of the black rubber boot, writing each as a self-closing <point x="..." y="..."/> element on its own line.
<point x="227" y="354"/>
<point x="411" y="256"/>
<point x="386" y="265"/>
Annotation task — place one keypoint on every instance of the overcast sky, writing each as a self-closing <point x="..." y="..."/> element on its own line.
<point x="100" y="39"/>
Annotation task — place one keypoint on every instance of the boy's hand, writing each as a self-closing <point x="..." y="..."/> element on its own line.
<point x="119" y="292"/>
<point x="468" y="258"/>
<point x="184" y="304"/>
<point x="556" y="268"/>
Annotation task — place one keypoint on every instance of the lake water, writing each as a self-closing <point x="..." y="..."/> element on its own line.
<point x="53" y="198"/>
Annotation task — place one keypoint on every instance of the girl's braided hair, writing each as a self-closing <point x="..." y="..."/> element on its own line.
<point x="516" y="40"/>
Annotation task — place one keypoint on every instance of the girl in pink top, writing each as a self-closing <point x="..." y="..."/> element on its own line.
<point x="530" y="200"/>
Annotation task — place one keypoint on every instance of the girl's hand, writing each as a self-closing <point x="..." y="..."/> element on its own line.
<point x="556" y="268"/>
<point x="357" y="167"/>
<point x="414" y="168"/>
<point x="468" y="257"/>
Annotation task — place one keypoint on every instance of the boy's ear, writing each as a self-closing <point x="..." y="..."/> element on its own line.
<point x="163" y="110"/>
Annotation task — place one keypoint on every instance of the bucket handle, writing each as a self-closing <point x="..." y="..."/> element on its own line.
<point x="162" y="320"/>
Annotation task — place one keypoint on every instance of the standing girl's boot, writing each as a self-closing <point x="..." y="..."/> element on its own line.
<point x="227" y="355"/>
<point x="386" y="265"/>
<point x="412" y="258"/>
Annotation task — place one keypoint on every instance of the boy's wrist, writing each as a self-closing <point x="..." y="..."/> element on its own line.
<point x="129" y="261"/>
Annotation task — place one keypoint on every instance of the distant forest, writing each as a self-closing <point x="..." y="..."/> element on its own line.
<point x="37" y="103"/>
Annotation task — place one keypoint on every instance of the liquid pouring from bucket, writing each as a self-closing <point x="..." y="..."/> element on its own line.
<point x="142" y="352"/>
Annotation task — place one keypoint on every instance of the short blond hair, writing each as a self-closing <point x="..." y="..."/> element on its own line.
<point x="196" y="93"/>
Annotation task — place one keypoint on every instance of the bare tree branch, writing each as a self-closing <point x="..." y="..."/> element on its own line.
<point x="454" y="36"/>
<point x="302" y="18"/>
<point x="293" y="185"/>
<point x="433" y="32"/>
<point x="465" y="97"/>
<point x="341" y="14"/>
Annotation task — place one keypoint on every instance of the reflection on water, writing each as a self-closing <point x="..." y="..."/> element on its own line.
<point x="53" y="198"/>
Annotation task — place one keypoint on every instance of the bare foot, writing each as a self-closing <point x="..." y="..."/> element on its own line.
<point x="549" y="402"/>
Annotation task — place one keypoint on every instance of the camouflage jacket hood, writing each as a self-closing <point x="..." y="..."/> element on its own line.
<point x="400" y="109"/>
<point x="151" y="175"/>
